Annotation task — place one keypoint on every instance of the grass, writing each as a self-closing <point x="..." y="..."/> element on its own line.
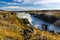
<point x="18" y="27"/>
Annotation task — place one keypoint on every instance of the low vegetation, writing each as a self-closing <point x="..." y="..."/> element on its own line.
<point x="13" y="28"/>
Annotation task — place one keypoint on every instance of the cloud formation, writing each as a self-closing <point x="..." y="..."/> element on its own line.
<point x="18" y="8"/>
<point x="17" y="0"/>
<point x="32" y="4"/>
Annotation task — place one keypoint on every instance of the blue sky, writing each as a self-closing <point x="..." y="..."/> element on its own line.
<point x="17" y="5"/>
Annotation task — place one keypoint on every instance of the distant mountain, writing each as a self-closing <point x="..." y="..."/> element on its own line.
<point x="2" y="10"/>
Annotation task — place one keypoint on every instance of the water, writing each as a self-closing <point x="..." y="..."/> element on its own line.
<point x="24" y="15"/>
<point x="37" y="23"/>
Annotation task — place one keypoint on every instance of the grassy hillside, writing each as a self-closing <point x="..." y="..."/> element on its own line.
<point x="13" y="28"/>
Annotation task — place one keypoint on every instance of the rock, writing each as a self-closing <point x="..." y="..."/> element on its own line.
<point x="27" y="33"/>
<point x="57" y="23"/>
<point x="47" y="18"/>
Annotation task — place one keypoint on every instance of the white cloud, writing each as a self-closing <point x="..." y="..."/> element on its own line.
<point x="13" y="3"/>
<point x="2" y="2"/>
<point x="48" y="4"/>
<point x="47" y="1"/>
<point x="10" y="3"/>
<point x="18" y="8"/>
<point x="17" y="0"/>
<point x="41" y="1"/>
<point x="35" y="2"/>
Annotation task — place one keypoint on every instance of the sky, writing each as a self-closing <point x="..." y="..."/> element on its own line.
<point x="21" y="5"/>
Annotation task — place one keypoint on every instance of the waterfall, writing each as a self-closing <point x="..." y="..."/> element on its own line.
<point x="37" y="23"/>
<point x="24" y="15"/>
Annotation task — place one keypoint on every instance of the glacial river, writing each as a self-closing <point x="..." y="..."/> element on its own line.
<point x="37" y="23"/>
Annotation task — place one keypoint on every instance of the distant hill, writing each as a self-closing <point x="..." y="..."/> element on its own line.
<point x="2" y="10"/>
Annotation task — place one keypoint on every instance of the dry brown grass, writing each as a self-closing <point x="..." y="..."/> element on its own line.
<point x="13" y="21"/>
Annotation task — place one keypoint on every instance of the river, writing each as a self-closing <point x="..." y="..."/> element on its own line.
<point x="37" y="23"/>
